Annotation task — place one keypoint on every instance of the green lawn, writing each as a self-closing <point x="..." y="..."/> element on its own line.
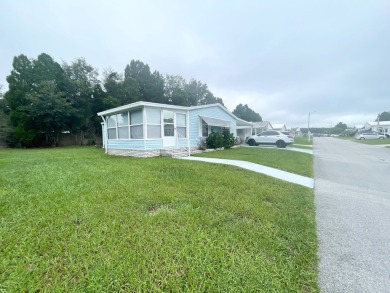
<point x="290" y="161"/>
<point x="77" y="220"/>
<point x="303" y="140"/>
<point x="368" y="141"/>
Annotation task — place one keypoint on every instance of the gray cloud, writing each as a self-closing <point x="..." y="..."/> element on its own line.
<point x="283" y="58"/>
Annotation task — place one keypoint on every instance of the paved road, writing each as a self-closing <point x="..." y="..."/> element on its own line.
<point x="352" y="197"/>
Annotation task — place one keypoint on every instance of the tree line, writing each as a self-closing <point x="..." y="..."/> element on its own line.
<point x="45" y="98"/>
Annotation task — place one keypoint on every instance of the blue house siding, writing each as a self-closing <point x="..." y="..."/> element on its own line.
<point x="124" y="144"/>
<point x="214" y="112"/>
<point x="134" y="144"/>
<point x="153" y="144"/>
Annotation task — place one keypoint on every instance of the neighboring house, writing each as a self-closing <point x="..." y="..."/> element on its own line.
<point x="296" y="132"/>
<point x="279" y="127"/>
<point x="261" y="126"/>
<point x="381" y="126"/>
<point x="150" y="129"/>
<point x="358" y="128"/>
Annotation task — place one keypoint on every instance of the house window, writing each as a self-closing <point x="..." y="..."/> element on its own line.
<point x="205" y="129"/>
<point x="216" y="129"/>
<point x="153" y="117"/>
<point x="181" y="125"/>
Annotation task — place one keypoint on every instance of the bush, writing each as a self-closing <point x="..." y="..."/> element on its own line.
<point x="228" y="139"/>
<point x="218" y="140"/>
<point x="215" y="140"/>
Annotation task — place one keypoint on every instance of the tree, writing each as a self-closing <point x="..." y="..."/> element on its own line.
<point x="246" y="113"/>
<point x="384" y="116"/>
<point x="48" y="111"/>
<point x="82" y="81"/>
<point x="198" y="94"/>
<point x="35" y="99"/>
<point x="151" y="85"/>
<point x="113" y="87"/>
<point x="4" y="117"/>
<point x="341" y="126"/>
<point x="174" y="90"/>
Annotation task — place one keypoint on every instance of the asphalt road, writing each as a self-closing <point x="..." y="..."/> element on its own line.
<point x="352" y="197"/>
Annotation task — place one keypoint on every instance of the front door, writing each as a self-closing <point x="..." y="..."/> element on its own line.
<point x="169" y="139"/>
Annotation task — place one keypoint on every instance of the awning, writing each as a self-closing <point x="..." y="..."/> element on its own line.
<point x="216" y="122"/>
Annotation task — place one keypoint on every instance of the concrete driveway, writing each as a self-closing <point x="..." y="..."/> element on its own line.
<point x="352" y="197"/>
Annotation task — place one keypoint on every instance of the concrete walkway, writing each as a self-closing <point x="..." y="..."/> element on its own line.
<point x="283" y="175"/>
<point x="306" y="151"/>
<point x="301" y="150"/>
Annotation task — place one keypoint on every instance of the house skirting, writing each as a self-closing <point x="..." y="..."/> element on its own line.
<point x="174" y="152"/>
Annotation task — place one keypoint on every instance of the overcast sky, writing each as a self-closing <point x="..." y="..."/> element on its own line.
<point x="283" y="58"/>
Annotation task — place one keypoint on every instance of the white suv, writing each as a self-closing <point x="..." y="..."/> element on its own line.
<point x="271" y="137"/>
<point x="369" y="135"/>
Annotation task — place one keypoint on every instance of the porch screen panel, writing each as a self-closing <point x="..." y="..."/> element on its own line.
<point x="123" y="132"/>
<point x="111" y="127"/>
<point x="136" y="124"/>
<point x="153" y="120"/>
<point x="136" y="132"/>
<point x="123" y="125"/>
<point x="136" y="117"/>
<point x="112" y="133"/>
<point x="181" y="123"/>
<point x="154" y="131"/>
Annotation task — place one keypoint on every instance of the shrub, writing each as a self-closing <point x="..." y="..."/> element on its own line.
<point x="217" y="140"/>
<point x="228" y="139"/>
<point x="214" y="140"/>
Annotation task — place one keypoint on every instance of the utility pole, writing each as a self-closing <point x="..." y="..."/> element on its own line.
<point x="308" y="128"/>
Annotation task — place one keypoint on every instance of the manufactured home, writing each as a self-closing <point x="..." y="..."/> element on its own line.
<point x="145" y="129"/>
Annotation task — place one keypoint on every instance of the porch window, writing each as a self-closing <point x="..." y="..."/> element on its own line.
<point x="136" y="124"/>
<point x="181" y="125"/>
<point x="153" y="117"/>
<point x="123" y="125"/>
<point x="126" y="125"/>
<point x="111" y="127"/>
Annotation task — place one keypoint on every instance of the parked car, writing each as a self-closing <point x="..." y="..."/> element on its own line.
<point x="369" y="135"/>
<point x="270" y="137"/>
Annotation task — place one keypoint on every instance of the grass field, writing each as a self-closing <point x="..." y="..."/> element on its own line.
<point x="290" y="161"/>
<point x="77" y="220"/>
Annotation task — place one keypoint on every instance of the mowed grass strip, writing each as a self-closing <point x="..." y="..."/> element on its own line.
<point x="368" y="141"/>
<point x="303" y="140"/>
<point x="77" y="220"/>
<point x="290" y="161"/>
